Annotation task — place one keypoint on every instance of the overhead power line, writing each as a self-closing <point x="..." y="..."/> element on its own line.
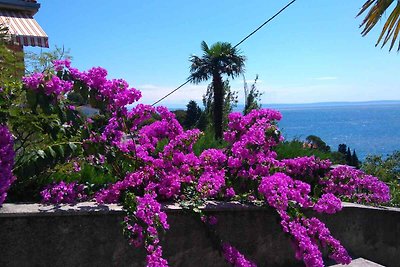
<point x="170" y="93"/>
<point x="265" y="23"/>
<point x="239" y="43"/>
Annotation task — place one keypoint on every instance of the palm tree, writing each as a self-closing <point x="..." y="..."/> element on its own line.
<point x="391" y="28"/>
<point x="218" y="60"/>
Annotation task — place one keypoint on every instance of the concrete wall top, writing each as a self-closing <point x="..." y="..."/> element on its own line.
<point x="85" y="208"/>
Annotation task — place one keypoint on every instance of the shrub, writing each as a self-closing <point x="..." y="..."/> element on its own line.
<point x="296" y="148"/>
<point x="388" y="170"/>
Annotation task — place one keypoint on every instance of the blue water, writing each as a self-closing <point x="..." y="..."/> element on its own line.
<point x="369" y="129"/>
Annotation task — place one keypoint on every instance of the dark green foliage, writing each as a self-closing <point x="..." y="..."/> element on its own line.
<point x="180" y="115"/>
<point x="354" y="160"/>
<point x="342" y="149"/>
<point x="230" y="101"/>
<point x="193" y="114"/>
<point x="42" y="143"/>
<point x="252" y="96"/>
<point x="317" y="143"/>
<point x="348" y="156"/>
<point x="11" y="62"/>
<point x="296" y="148"/>
<point x="76" y="99"/>
<point x="351" y="158"/>
<point x="203" y="122"/>
<point x="388" y="170"/>
<point x="35" y="167"/>
<point x="207" y="141"/>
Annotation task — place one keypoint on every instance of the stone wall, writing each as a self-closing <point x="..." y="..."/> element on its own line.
<point x="91" y="235"/>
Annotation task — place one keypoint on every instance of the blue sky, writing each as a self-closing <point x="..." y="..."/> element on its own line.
<point x="313" y="52"/>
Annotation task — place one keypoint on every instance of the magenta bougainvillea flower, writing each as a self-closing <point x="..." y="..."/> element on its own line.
<point x="62" y="192"/>
<point x="6" y="161"/>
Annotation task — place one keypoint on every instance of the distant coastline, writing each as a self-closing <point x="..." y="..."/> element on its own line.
<point x="331" y="104"/>
<point x="240" y="107"/>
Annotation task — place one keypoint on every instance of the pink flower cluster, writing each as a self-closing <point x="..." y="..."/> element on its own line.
<point x="234" y="257"/>
<point x="353" y="184"/>
<point x="279" y="189"/>
<point x="148" y="216"/>
<point x="328" y="203"/>
<point x="166" y="170"/>
<point x="283" y="193"/>
<point x="251" y="138"/>
<point x="61" y="64"/>
<point x="308" y="233"/>
<point x="6" y="161"/>
<point x="49" y="86"/>
<point x="149" y="210"/>
<point x="305" y="168"/>
<point x="63" y="192"/>
<point x="115" y="93"/>
<point x="213" y="177"/>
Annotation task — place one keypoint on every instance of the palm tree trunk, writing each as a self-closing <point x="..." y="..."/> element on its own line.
<point x="218" y="104"/>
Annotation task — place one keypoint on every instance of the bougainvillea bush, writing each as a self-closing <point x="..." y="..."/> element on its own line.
<point x="6" y="162"/>
<point x="151" y="160"/>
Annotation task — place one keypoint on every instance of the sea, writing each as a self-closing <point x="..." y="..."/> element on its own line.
<point x="370" y="128"/>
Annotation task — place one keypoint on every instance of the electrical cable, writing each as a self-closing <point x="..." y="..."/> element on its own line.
<point x="242" y="41"/>
<point x="265" y="23"/>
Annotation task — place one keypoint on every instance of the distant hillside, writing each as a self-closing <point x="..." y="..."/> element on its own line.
<point x="308" y="105"/>
<point x="326" y="104"/>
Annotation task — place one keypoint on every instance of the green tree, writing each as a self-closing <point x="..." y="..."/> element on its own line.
<point x="11" y="61"/>
<point x="230" y="101"/>
<point x="180" y="115"/>
<point x="348" y="156"/>
<point x="318" y="143"/>
<point x="252" y="96"/>
<point x="218" y="60"/>
<point x="388" y="170"/>
<point x="342" y="148"/>
<point x="391" y="28"/>
<point x="203" y="122"/>
<point x="295" y="148"/>
<point x="193" y="114"/>
<point x="354" y="160"/>
<point x="42" y="62"/>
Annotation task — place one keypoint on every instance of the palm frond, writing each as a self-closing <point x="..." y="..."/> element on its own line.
<point x="204" y="46"/>
<point x="392" y="25"/>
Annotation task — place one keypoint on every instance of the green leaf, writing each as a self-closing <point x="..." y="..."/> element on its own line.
<point x="60" y="150"/>
<point x="51" y="152"/>
<point x="41" y="153"/>
<point x="72" y="146"/>
<point x="31" y="97"/>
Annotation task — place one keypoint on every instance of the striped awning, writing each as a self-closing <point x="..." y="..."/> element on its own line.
<point x="23" y="28"/>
